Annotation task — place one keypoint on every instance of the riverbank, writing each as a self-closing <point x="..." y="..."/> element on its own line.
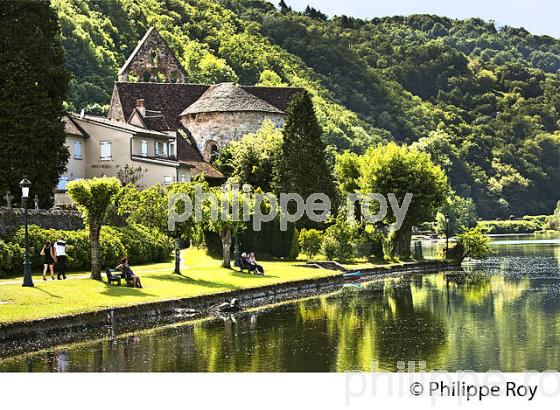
<point x="285" y="281"/>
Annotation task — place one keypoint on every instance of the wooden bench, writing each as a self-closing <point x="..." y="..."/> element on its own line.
<point x="112" y="277"/>
<point x="243" y="266"/>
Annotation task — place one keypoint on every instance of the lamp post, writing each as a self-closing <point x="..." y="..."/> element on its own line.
<point x="236" y="252"/>
<point x="446" y="234"/>
<point x="25" y="185"/>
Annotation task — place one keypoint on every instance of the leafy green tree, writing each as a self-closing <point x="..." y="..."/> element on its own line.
<point x="151" y="207"/>
<point x="310" y="241"/>
<point x="461" y="216"/>
<point x="93" y="197"/>
<point x="401" y="170"/>
<point x="474" y="244"/>
<point x="303" y="167"/>
<point x="269" y="78"/>
<point x="130" y="174"/>
<point x="226" y="224"/>
<point x="33" y="86"/>
<point x="253" y="159"/>
<point x="339" y="239"/>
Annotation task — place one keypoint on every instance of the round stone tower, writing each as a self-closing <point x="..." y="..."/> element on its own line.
<point x="226" y="112"/>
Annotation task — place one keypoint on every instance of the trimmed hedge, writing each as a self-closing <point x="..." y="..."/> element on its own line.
<point x="270" y="242"/>
<point x="141" y="244"/>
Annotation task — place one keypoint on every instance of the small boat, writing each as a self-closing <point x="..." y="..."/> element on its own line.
<point x="352" y="275"/>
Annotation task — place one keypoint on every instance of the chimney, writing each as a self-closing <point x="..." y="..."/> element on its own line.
<point x="140" y="107"/>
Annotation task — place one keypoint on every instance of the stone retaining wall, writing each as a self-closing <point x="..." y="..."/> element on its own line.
<point x="12" y="218"/>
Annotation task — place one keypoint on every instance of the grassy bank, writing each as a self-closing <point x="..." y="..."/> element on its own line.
<point x="202" y="275"/>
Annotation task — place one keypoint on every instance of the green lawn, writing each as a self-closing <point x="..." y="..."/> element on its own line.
<point x="201" y="275"/>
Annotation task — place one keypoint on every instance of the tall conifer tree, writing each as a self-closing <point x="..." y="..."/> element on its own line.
<point x="303" y="167"/>
<point x="33" y="86"/>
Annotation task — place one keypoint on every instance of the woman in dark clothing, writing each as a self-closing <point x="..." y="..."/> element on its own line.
<point x="132" y="280"/>
<point x="48" y="259"/>
<point x="259" y="270"/>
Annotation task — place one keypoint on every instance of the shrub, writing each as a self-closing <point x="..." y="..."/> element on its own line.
<point x="143" y="244"/>
<point x="338" y="242"/>
<point x="11" y="259"/>
<point x="310" y="241"/>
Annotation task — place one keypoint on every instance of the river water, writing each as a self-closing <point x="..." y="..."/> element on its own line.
<point x="503" y="314"/>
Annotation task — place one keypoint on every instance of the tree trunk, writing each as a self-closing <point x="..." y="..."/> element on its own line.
<point x="177" y="258"/>
<point x="226" y="246"/>
<point x="94" y="231"/>
<point x="401" y="242"/>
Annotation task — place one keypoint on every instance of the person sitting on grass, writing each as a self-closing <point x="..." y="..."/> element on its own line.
<point x="132" y="281"/>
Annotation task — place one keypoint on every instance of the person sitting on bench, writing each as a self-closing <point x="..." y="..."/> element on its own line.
<point x="259" y="270"/>
<point x="246" y="263"/>
<point x="132" y="281"/>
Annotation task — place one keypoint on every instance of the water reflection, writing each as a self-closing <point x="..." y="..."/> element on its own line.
<point x="503" y="313"/>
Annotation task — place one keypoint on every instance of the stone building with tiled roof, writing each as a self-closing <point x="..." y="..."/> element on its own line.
<point x="173" y="128"/>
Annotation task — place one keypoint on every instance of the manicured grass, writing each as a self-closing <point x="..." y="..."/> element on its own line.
<point x="201" y="275"/>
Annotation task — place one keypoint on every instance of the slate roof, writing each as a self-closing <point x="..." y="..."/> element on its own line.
<point x="117" y="124"/>
<point x="228" y="97"/>
<point x="71" y="127"/>
<point x="188" y="155"/>
<point x="172" y="98"/>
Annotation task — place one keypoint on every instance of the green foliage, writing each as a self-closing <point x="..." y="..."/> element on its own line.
<point x="338" y="240"/>
<point x="461" y="215"/>
<point x="302" y="166"/>
<point x="510" y="227"/>
<point x="33" y="86"/>
<point x="11" y="259"/>
<point x="474" y="243"/>
<point x="93" y="197"/>
<point x="141" y="244"/>
<point x="401" y="170"/>
<point x="253" y="159"/>
<point x="310" y="241"/>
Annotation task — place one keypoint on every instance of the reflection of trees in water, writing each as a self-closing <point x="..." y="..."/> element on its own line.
<point x="480" y="321"/>
<point x="405" y="332"/>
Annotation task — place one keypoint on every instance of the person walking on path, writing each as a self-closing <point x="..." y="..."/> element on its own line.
<point x="60" y="257"/>
<point x="48" y="259"/>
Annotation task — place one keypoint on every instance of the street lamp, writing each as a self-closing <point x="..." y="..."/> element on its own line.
<point x="446" y="234"/>
<point x="25" y="185"/>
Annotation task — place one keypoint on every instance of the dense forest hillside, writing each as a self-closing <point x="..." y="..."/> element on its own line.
<point x="484" y="101"/>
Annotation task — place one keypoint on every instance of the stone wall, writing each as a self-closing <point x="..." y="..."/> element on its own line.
<point x="12" y="218"/>
<point x="153" y="59"/>
<point x="223" y="127"/>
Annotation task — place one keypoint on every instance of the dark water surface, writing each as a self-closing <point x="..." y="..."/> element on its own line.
<point x="503" y="315"/>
